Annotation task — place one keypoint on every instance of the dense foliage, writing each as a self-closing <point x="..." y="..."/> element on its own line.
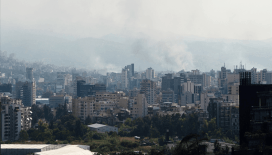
<point x="67" y="128"/>
<point x="41" y="113"/>
<point x="156" y="126"/>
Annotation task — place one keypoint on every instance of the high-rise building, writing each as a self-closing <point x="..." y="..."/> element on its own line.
<point x="63" y="79"/>
<point x="139" y="106"/>
<point x="83" y="107"/>
<point x="195" y="72"/>
<point x="134" y="83"/>
<point x="212" y="73"/>
<point x="130" y="70"/>
<point x="29" y="74"/>
<point x="29" y="94"/>
<point x="84" y="90"/>
<point x="150" y="73"/>
<point x="26" y="91"/>
<point x="15" y="117"/>
<point x="148" y="88"/>
<point x="124" y="79"/>
<point x="167" y="82"/>
<point x="56" y="100"/>
<point x="226" y="114"/>
<point x="198" y="79"/>
<point x="188" y="87"/>
<point x="268" y="78"/>
<point x="168" y="96"/>
<point x="222" y="80"/>
<point x="251" y="98"/>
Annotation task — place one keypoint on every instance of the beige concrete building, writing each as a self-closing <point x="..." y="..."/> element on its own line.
<point x="205" y="99"/>
<point x="148" y="88"/>
<point x="233" y="89"/>
<point x="118" y="98"/>
<point x="188" y="87"/>
<point x="82" y="107"/>
<point x="104" y="105"/>
<point x="258" y="77"/>
<point x="231" y="98"/>
<point x="233" y="78"/>
<point x="139" y="106"/>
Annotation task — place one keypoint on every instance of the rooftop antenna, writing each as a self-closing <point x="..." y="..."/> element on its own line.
<point x="224" y="64"/>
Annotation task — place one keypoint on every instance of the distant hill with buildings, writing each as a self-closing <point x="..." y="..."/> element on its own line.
<point x="110" y="52"/>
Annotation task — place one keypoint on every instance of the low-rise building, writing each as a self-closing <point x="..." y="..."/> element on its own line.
<point x="101" y="128"/>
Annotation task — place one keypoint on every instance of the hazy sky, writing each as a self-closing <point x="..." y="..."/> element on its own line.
<point x="231" y="19"/>
<point x="157" y="26"/>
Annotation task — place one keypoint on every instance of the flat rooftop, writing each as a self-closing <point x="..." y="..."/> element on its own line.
<point x="96" y="125"/>
<point x="23" y="146"/>
<point x="67" y="150"/>
<point x="54" y="150"/>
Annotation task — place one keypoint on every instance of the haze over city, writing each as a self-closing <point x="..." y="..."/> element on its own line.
<point x="104" y="36"/>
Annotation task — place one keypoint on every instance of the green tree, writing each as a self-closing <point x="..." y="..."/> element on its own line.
<point x="189" y="146"/>
<point x="23" y="136"/>
<point x="211" y="130"/>
<point x="161" y="141"/>
<point x="88" y="120"/>
<point x="128" y="122"/>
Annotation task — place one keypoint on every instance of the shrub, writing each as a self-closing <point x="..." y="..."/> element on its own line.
<point x="99" y="136"/>
<point x="65" y="142"/>
<point x="113" y="141"/>
<point x="129" y="144"/>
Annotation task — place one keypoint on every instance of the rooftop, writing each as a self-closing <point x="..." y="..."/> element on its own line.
<point x="67" y="150"/>
<point x="96" y="125"/>
<point x="55" y="149"/>
<point x="23" y="146"/>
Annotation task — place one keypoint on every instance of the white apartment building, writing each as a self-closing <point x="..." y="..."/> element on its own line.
<point x="15" y="117"/>
<point x="150" y="73"/>
<point x="124" y="79"/>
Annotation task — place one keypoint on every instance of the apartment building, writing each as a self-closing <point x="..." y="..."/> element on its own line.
<point x="56" y="100"/>
<point x="150" y="73"/>
<point x="104" y="105"/>
<point x="139" y="106"/>
<point x="15" y="117"/>
<point x="205" y="99"/>
<point x="226" y="114"/>
<point x="148" y="88"/>
<point x="168" y="96"/>
<point x="83" y="107"/>
<point x="119" y="98"/>
<point x="26" y="91"/>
